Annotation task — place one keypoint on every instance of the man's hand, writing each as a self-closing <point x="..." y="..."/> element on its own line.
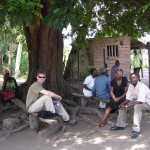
<point x="57" y="97"/>
<point x="122" y="106"/>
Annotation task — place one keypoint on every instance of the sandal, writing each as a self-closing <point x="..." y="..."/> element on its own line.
<point x="101" y="125"/>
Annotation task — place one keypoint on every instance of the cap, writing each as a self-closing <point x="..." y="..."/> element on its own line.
<point x="5" y="72"/>
<point x="103" y="70"/>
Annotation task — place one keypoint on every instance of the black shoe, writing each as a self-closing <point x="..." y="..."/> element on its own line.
<point x="70" y="122"/>
<point x="115" y="128"/>
<point x="135" y="134"/>
<point x="46" y="114"/>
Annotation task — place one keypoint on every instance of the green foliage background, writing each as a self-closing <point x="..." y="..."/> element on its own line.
<point x="88" y="18"/>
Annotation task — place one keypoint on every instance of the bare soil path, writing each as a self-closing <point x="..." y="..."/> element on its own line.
<point x="83" y="136"/>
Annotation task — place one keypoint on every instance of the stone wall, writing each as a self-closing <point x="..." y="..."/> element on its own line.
<point x="124" y="48"/>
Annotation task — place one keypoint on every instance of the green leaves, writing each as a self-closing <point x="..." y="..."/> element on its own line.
<point x="23" y="10"/>
<point x="145" y="7"/>
<point x="88" y="18"/>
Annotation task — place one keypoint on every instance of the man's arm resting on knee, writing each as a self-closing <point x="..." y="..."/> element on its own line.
<point x="51" y="94"/>
<point x="123" y="104"/>
<point x="133" y="103"/>
<point x="126" y="104"/>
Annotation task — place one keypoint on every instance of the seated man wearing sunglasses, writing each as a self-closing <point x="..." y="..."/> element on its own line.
<point x="40" y="100"/>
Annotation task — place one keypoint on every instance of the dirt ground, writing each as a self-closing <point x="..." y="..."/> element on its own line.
<point x="84" y="135"/>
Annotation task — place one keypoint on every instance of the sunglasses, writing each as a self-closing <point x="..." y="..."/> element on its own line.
<point x="42" y="77"/>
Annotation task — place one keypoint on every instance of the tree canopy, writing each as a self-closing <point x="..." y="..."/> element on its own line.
<point x="44" y="20"/>
<point x="103" y="18"/>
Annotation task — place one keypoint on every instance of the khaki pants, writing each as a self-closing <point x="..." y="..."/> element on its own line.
<point x="103" y="102"/>
<point x="102" y="105"/>
<point x="137" y="116"/>
<point x="46" y="103"/>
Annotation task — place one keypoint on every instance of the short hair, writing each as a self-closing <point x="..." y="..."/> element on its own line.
<point x="92" y="70"/>
<point x="103" y="71"/>
<point x="133" y="74"/>
<point x="40" y="71"/>
<point x="119" y="69"/>
<point x="116" y="61"/>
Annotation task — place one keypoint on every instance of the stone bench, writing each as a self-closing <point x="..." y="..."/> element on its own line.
<point x="84" y="100"/>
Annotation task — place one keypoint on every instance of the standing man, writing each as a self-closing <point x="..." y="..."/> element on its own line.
<point x="39" y="98"/>
<point x="137" y="63"/>
<point x="101" y="88"/>
<point x="114" y="68"/>
<point x="138" y="98"/>
<point x="89" y="82"/>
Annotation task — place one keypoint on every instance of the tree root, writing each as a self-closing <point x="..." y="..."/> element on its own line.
<point x="89" y="110"/>
<point x="14" y="115"/>
<point x="90" y="132"/>
<point x="59" y="135"/>
<point x="52" y="128"/>
<point x="87" y="120"/>
<point x="19" y="128"/>
<point x="72" y="110"/>
<point x="7" y="107"/>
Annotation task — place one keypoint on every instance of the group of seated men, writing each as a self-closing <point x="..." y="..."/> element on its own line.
<point x="112" y="94"/>
<point x="118" y="94"/>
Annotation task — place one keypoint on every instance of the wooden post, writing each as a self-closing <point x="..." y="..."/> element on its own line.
<point x="148" y="47"/>
<point x="141" y="63"/>
<point x="105" y="65"/>
<point x="78" y="65"/>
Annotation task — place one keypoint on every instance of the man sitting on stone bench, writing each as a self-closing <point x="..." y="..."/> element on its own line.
<point x="101" y="88"/>
<point x="39" y="99"/>
<point x="89" y="82"/>
<point x="138" y="98"/>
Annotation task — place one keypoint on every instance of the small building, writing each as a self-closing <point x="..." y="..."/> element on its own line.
<point x="106" y="51"/>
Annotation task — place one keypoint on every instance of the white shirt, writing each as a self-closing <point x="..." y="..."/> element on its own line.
<point x="89" y="81"/>
<point x="140" y="92"/>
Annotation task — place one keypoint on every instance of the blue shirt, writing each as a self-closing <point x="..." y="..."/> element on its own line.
<point x="101" y="88"/>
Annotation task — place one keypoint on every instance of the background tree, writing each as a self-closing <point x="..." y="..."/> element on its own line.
<point x="111" y="18"/>
<point x="7" y="45"/>
<point x="10" y="37"/>
<point x="43" y="21"/>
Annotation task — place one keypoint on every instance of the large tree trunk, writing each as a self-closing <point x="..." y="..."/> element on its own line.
<point x="45" y="47"/>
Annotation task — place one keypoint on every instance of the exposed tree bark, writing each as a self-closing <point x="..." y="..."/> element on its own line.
<point x="45" y="51"/>
<point x="45" y="47"/>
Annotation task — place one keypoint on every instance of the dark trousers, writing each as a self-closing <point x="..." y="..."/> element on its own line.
<point x="137" y="71"/>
